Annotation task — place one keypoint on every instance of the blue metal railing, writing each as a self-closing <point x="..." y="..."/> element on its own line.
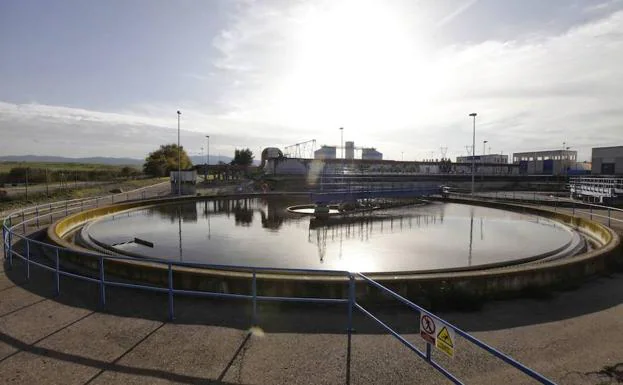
<point x="427" y="355"/>
<point x="558" y="203"/>
<point x="10" y="238"/>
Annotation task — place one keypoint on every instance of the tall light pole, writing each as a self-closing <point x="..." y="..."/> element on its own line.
<point x="342" y="140"/>
<point x="482" y="160"/>
<point x="207" y="157"/>
<point x="179" y="156"/>
<point x="562" y="159"/>
<point x="473" y="115"/>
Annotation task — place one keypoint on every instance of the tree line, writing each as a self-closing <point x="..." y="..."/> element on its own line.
<point x="165" y="159"/>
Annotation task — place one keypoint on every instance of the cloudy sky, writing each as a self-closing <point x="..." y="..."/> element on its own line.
<point x="105" y="78"/>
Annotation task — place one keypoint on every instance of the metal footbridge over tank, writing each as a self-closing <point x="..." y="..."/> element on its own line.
<point x="346" y="195"/>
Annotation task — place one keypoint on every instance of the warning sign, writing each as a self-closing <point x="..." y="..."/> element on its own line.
<point x="427" y="329"/>
<point x="445" y="341"/>
<point x="437" y="334"/>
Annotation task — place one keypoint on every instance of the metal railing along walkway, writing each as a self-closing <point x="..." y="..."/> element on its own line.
<point x="19" y="246"/>
<point x="592" y="210"/>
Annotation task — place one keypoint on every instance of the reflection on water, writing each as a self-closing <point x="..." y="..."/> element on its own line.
<point x="261" y="232"/>
<point x="363" y="227"/>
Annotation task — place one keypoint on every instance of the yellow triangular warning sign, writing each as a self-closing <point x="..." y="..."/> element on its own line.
<point x="445" y="337"/>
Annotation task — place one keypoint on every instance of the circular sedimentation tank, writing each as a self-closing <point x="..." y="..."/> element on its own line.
<point x="413" y="248"/>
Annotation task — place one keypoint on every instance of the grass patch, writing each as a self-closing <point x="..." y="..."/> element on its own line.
<point x="14" y="202"/>
<point x="5" y="167"/>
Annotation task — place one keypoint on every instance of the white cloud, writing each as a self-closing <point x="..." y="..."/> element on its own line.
<point x="292" y="71"/>
<point x="530" y="93"/>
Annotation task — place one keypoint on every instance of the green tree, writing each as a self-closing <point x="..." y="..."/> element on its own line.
<point x="164" y="160"/>
<point x="243" y="157"/>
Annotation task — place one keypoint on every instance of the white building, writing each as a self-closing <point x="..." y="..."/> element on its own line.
<point x="491" y="158"/>
<point x="607" y="161"/>
<point x="371" y="154"/>
<point x="325" y="152"/>
<point x="554" y="162"/>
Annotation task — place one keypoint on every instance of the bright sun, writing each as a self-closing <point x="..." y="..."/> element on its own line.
<point x="357" y="62"/>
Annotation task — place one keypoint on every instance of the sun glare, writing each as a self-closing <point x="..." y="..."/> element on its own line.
<point x="357" y="62"/>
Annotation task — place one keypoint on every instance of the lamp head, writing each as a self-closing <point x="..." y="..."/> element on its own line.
<point x="473" y="114"/>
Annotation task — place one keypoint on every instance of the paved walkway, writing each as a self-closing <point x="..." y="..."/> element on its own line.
<point x="574" y="337"/>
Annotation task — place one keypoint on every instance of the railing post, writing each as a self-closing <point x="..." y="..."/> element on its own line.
<point x="102" y="282"/>
<point x="37" y="215"/>
<point x="57" y="275"/>
<point x="608" y="216"/>
<point x="27" y="259"/>
<point x="428" y="352"/>
<point x="4" y="252"/>
<point x="97" y="202"/>
<point x="254" y="320"/>
<point x="573" y="207"/>
<point x="23" y="222"/>
<point x="591" y="211"/>
<point x="66" y="208"/>
<point x="10" y="248"/>
<point x="351" y="303"/>
<point x="170" y="279"/>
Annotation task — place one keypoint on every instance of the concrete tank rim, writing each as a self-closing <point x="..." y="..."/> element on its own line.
<point x="612" y="243"/>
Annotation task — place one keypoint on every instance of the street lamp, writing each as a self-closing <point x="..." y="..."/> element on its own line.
<point x="482" y="160"/>
<point x="179" y="156"/>
<point x="207" y="158"/>
<point x="473" y="115"/>
<point x="342" y="140"/>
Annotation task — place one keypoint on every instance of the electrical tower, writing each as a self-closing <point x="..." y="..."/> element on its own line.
<point x="301" y="150"/>
<point x="444" y="151"/>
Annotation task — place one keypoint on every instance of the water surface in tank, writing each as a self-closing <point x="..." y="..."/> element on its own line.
<point x="260" y="232"/>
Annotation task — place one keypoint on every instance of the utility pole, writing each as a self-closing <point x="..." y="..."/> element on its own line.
<point x="207" y="157"/>
<point x="47" y="188"/>
<point x="179" y="157"/>
<point x="484" y="142"/>
<point x="473" y="115"/>
<point x="26" y="183"/>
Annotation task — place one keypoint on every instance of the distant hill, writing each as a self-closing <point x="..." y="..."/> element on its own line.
<point x="61" y="159"/>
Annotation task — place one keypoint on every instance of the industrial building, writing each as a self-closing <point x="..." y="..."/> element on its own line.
<point x="330" y="152"/>
<point x="325" y="152"/>
<point x="607" y="160"/>
<point x="371" y="154"/>
<point x="491" y="158"/>
<point x="554" y="162"/>
<point x="350" y="150"/>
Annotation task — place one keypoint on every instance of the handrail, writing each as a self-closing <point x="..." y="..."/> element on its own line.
<point x="546" y="199"/>
<point x="426" y="355"/>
